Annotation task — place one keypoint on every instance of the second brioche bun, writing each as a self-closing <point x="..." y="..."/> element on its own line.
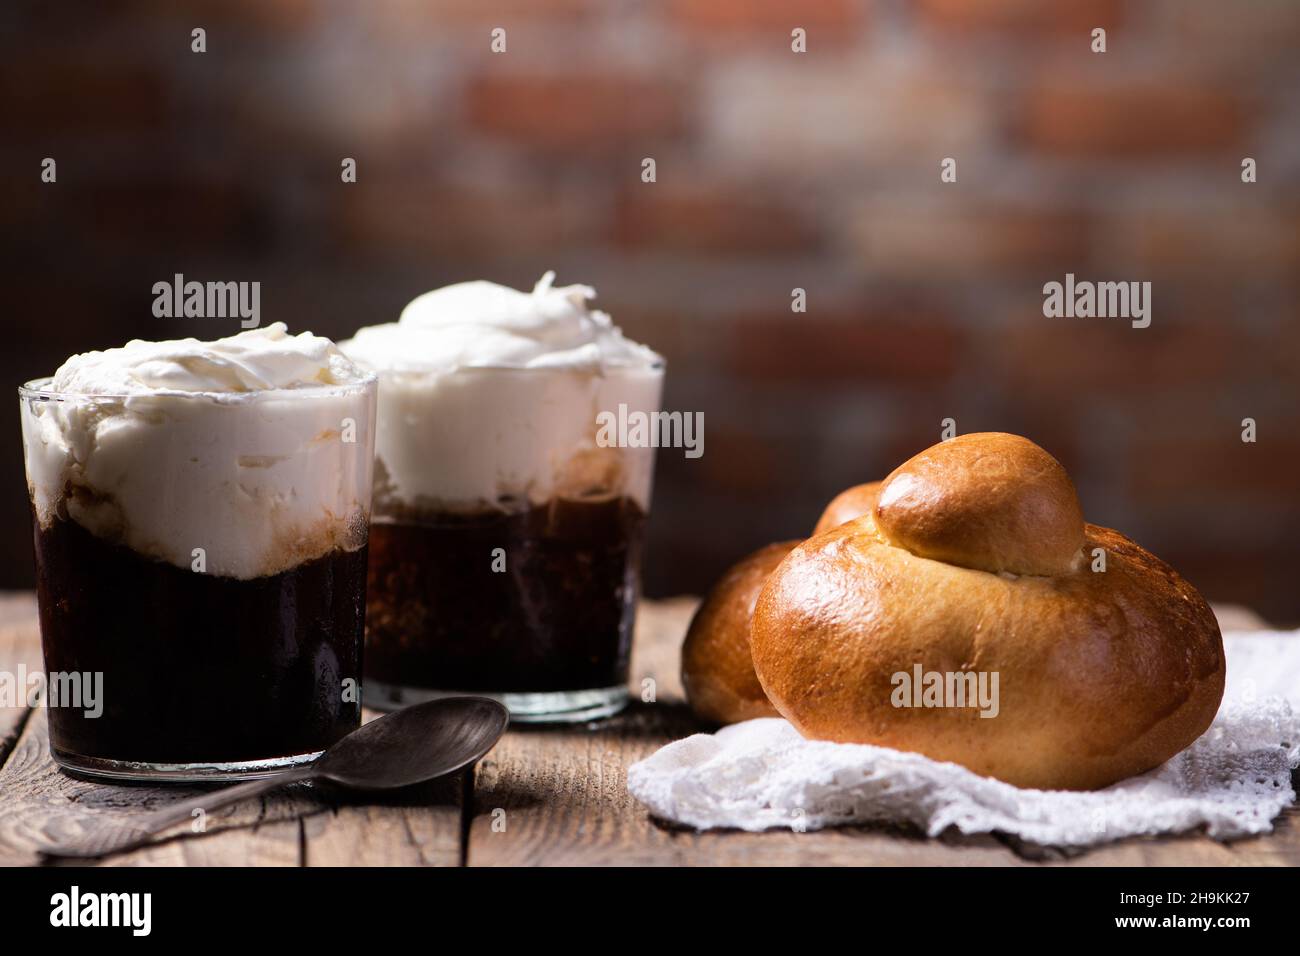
<point x="717" y="671"/>
<point x="847" y="505"/>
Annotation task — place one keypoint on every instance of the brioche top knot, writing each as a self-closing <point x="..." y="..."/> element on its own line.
<point x="989" y="501"/>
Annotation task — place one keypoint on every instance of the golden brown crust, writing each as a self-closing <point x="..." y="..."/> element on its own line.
<point x="716" y="668"/>
<point x="989" y="500"/>
<point x="1101" y="675"/>
<point x="847" y="505"/>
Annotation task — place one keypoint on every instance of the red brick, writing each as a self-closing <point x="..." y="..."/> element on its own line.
<point x="1108" y="354"/>
<point x="73" y="306"/>
<point x="280" y="16"/>
<point x="909" y="351"/>
<point x="24" y="199"/>
<point x="936" y="240"/>
<point x="1131" y="121"/>
<point x="413" y="218"/>
<point x="1267" y="27"/>
<point x="498" y="12"/>
<point x="1062" y="357"/>
<point x="1259" y="577"/>
<point x="849" y="122"/>
<point x="78" y="94"/>
<point x="676" y="335"/>
<point x="535" y="29"/>
<point x="660" y="216"/>
<point x="1020" y="16"/>
<point x="1215" y="465"/>
<point x="578" y="114"/>
<point x="1238" y="239"/>
<point x="776" y="17"/>
<point x="164" y="212"/>
<point x="748" y="461"/>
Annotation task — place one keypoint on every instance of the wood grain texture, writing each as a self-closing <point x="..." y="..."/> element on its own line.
<point x="40" y="806"/>
<point x="1279" y="848"/>
<point x="422" y="827"/>
<point x="20" y="644"/>
<point x="558" y="796"/>
<point x="277" y="843"/>
<point x="545" y="796"/>
<point x="17" y="607"/>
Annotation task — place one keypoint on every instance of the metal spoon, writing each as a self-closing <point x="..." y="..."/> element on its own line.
<point x="406" y="747"/>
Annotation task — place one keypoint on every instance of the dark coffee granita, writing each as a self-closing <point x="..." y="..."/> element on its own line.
<point x="444" y="617"/>
<point x="198" y="668"/>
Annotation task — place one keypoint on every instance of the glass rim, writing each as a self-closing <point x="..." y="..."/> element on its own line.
<point x="41" y="388"/>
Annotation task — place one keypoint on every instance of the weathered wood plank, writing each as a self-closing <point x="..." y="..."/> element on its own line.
<point x="843" y="847"/>
<point x="17" y="607"/>
<point x="421" y="827"/>
<point x="277" y="843"/>
<point x="40" y="806"/>
<point x="1279" y="848"/>
<point x="657" y="650"/>
<point x="20" y="648"/>
<point x="558" y="795"/>
<point x="562" y="791"/>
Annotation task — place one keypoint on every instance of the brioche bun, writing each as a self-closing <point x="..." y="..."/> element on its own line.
<point x="976" y="559"/>
<point x="847" y="505"/>
<point x="716" y="668"/>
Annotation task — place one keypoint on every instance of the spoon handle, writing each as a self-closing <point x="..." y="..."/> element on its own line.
<point x="116" y="837"/>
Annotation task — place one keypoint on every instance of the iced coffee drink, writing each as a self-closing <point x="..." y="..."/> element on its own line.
<point x="200" y="512"/>
<point x="506" y="535"/>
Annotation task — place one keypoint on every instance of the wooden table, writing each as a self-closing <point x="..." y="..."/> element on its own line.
<point x="542" y="797"/>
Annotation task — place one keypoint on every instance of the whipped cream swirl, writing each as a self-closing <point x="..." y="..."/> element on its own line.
<point x="257" y="449"/>
<point x="488" y="397"/>
<point x="252" y="361"/>
<point x="485" y="325"/>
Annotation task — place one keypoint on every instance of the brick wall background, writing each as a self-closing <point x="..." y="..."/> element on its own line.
<point x="775" y="170"/>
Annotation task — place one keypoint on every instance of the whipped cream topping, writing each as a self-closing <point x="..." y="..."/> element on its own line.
<point x="485" y="325"/>
<point x="488" y="397"/>
<point x="255" y="360"/>
<point x="257" y="449"/>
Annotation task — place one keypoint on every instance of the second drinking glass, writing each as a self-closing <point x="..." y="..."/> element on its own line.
<point x="506" y="538"/>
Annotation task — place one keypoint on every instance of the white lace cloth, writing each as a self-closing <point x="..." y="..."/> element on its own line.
<point x="761" y="774"/>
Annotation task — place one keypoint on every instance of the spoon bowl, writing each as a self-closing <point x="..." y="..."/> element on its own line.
<point x="415" y="744"/>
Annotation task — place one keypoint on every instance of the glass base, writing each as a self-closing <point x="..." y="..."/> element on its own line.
<point x="127" y="771"/>
<point x="558" y="707"/>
